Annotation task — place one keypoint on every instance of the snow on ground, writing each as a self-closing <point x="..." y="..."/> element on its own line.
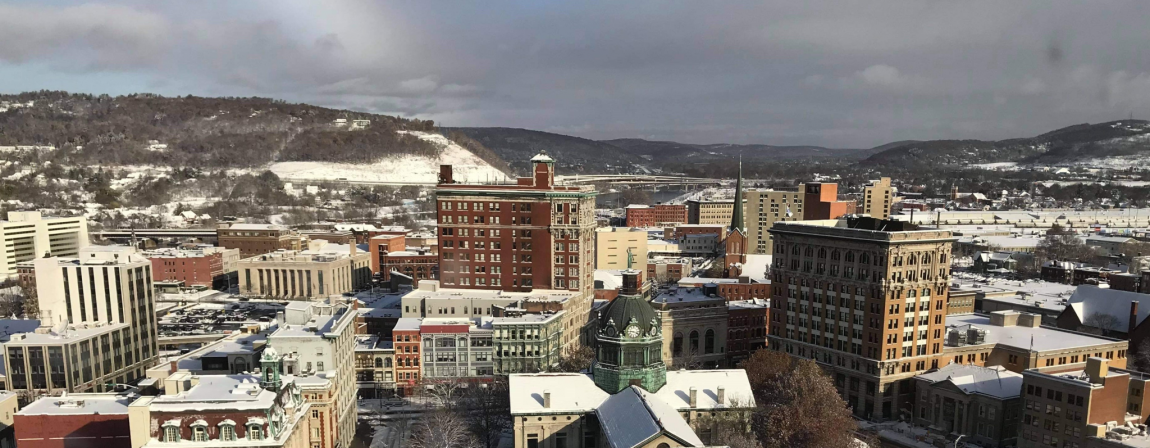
<point x="399" y="169"/>
<point x="998" y="166"/>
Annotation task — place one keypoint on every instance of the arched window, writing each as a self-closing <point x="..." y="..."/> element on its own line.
<point x="822" y="252"/>
<point x="255" y="431"/>
<point x="386" y="362"/>
<point x="664" y="445"/>
<point x="911" y="260"/>
<point x="835" y="255"/>
<point x="694" y="342"/>
<point x="171" y="432"/>
<point x="199" y="434"/>
<point x="850" y="257"/>
<point x="925" y="258"/>
<point x="864" y="258"/>
<point x="810" y="251"/>
<point x="228" y="431"/>
<point x="379" y="362"/>
<point x="709" y="342"/>
<point x="677" y="344"/>
<point x="795" y="249"/>
<point x="239" y="366"/>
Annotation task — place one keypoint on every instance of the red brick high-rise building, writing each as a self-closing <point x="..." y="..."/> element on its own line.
<point x="531" y="235"/>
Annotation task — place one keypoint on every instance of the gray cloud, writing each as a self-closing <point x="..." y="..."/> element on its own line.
<point x="852" y="75"/>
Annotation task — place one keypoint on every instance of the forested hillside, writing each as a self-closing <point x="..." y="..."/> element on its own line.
<point x="204" y="132"/>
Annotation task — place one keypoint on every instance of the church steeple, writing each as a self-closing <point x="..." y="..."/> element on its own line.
<point x="737" y="223"/>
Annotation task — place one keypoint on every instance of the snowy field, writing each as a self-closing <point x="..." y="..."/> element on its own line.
<point x="403" y="169"/>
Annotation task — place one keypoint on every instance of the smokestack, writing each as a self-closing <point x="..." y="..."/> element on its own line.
<point x="694" y="397"/>
<point x="546" y="399"/>
<point x="1133" y="318"/>
<point x="445" y="174"/>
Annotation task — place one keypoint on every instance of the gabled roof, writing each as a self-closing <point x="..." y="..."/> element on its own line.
<point x="995" y="381"/>
<point x="1089" y="300"/>
<point x="633" y="417"/>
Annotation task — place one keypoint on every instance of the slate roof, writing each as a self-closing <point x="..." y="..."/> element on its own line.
<point x="1089" y="299"/>
<point x="633" y="416"/>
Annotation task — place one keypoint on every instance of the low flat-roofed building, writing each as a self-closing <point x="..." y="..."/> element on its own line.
<point x="694" y="324"/>
<point x="84" y="358"/>
<point x="981" y="402"/>
<point x="258" y="239"/>
<point x="747" y="329"/>
<point x="527" y="343"/>
<point x="75" y="421"/>
<point x="430" y="300"/>
<point x="375" y="366"/>
<point x="1018" y="342"/>
<point x="193" y="267"/>
<point x="1068" y="408"/>
<point x="323" y="270"/>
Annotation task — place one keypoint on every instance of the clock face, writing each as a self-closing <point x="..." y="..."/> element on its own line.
<point x="633" y="331"/>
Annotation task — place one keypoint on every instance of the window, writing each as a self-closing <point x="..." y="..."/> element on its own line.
<point x="199" y="434"/>
<point x="227" y="432"/>
<point x="171" y="433"/>
<point x="709" y="342"/>
<point x="677" y="345"/>
<point x="255" y="431"/>
<point x="694" y="342"/>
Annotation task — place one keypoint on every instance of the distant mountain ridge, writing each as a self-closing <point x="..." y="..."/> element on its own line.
<point x="1065" y="145"/>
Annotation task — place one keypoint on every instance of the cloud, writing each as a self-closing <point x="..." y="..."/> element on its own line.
<point x="885" y="78"/>
<point x="92" y="36"/>
<point x="867" y="72"/>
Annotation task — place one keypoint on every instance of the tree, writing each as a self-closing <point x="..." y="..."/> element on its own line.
<point x="802" y="409"/>
<point x="1139" y="357"/>
<point x="577" y="360"/>
<point x="442" y="428"/>
<point x="31" y="302"/>
<point x="11" y="304"/>
<point x="764" y="366"/>
<point x="1101" y="323"/>
<point x="1064" y="247"/>
<point x="489" y="411"/>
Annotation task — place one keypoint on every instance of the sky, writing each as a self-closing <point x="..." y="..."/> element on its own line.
<point x="848" y="74"/>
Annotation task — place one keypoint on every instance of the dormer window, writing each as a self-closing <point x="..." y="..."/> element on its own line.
<point x="255" y="431"/>
<point x="171" y="431"/>
<point x="228" y="431"/>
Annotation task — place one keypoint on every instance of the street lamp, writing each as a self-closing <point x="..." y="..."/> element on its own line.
<point x="960" y="436"/>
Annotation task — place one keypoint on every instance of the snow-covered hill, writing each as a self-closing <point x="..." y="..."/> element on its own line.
<point x="398" y="169"/>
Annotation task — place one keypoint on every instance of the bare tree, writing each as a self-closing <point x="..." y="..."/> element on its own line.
<point x="1101" y="323"/>
<point x="488" y="409"/>
<point x="442" y="428"/>
<point x="802" y="409"/>
<point x="11" y="304"/>
<point x="577" y="360"/>
<point x="31" y="302"/>
<point x="731" y="428"/>
<point x="1139" y="357"/>
<point x="766" y="365"/>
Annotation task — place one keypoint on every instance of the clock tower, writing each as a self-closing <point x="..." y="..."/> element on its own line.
<point x="629" y="341"/>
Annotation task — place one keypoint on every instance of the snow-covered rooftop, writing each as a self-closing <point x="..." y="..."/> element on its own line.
<point x="994" y="381"/>
<point x="80" y="404"/>
<point x="1026" y="338"/>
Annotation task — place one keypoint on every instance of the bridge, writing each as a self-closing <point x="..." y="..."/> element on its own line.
<point x="640" y="179"/>
<point x="124" y="234"/>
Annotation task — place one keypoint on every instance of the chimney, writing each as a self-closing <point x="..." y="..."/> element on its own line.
<point x="694" y="397"/>
<point x="352" y="249"/>
<point x="1133" y="318"/>
<point x="721" y="395"/>
<point x="445" y="174"/>
<point x="547" y="399"/>
<point x="1096" y="369"/>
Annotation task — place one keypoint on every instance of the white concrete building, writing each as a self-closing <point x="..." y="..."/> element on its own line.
<point x="28" y="235"/>
<point x="102" y="285"/>
<point x="318" y="339"/>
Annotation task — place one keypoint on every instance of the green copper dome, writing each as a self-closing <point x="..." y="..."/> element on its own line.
<point x="629" y="316"/>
